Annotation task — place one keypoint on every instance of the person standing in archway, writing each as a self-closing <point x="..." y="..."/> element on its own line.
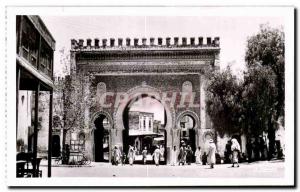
<point x="181" y="156"/>
<point x="174" y="156"/>
<point x="131" y="155"/>
<point x="123" y="158"/>
<point x="162" y="152"/>
<point x="116" y="155"/>
<point x="156" y="155"/>
<point x="235" y="148"/>
<point x="189" y="155"/>
<point x="212" y="153"/>
<point x="198" y="155"/>
<point x="144" y="153"/>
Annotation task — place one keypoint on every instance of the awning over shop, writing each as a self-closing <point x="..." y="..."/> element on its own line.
<point x="159" y="139"/>
<point x="133" y="132"/>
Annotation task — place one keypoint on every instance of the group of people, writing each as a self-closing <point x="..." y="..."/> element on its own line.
<point x="186" y="155"/>
<point x="256" y="149"/>
<point x="119" y="157"/>
<point x="183" y="157"/>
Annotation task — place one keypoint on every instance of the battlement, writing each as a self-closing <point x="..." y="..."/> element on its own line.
<point x="137" y="43"/>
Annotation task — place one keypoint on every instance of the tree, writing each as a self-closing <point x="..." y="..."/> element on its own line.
<point x="72" y="96"/>
<point x="223" y="101"/>
<point x="259" y="99"/>
<point x="266" y="48"/>
<point x="77" y="99"/>
<point x="265" y="62"/>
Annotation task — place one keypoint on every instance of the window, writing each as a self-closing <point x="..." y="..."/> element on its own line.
<point x="46" y="58"/>
<point x="187" y="86"/>
<point x="30" y="42"/>
<point x="150" y="124"/>
<point x="101" y="89"/>
<point x="140" y="125"/>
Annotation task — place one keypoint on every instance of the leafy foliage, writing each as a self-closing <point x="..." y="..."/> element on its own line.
<point x="259" y="98"/>
<point x="267" y="49"/>
<point x="223" y="101"/>
<point x="77" y="100"/>
<point x="72" y="95"/>
<point x="254" y="104"/>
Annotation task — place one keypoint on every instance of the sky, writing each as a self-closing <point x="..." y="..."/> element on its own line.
<point x="233" y="33"/>
<point x="150" y="105"/>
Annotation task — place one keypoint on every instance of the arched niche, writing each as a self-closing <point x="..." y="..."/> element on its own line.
<point x="187" y="86"/>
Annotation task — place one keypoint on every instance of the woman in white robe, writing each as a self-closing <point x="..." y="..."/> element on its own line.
<point x="116" y="155"/>
<point x="212" y="153"/>
<point x="156" y="156"/>
<point x="174" y="156"/>
<point x="131" y="155"/>
<point x="198" y="155"/>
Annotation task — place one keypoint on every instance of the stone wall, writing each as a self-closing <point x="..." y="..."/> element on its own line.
<point x="24" y="119"/>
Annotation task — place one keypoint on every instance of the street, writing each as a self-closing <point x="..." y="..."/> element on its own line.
<point x="260" y="169"/>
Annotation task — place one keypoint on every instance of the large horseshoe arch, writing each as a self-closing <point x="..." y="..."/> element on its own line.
<point x="151" y="92"/>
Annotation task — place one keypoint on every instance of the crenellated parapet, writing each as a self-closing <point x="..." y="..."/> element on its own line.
<point x="144" y="43"/>
<point x="145" y="54"/>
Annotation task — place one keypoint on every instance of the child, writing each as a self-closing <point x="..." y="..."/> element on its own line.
<point x="123" y="158"/>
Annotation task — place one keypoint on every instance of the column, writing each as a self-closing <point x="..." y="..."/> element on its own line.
<point x="50" y="133"/>
<point x="202" y="125"/>
<point x="110" y="145"/>
<point x="35" y="132"/>
<point x="147" y="123"/>
<point x="17" y="97"/>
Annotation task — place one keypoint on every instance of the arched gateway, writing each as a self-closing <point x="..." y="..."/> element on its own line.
<point x="134" y="94"/>
<point x="171" y="74"/>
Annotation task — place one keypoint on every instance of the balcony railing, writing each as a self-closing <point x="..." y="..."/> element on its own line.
<point x="33" y="60"/>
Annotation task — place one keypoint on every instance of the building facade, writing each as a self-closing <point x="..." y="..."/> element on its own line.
<point x="171" y="71"/>
<point x="141" y="130"/>
<point x="140" y="122"/>
<point x="34" y="64"/>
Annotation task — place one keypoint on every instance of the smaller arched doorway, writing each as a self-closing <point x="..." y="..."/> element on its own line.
<point x="148" y="142"/>
<point x="187" y="125"/>
<point x="101" y="138"/>
<point x="55" y="146"/>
